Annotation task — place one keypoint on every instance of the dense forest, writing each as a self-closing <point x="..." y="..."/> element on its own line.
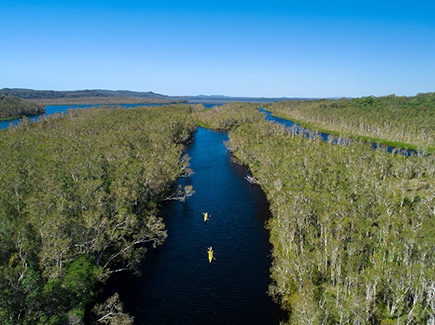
<point x="406" y="122"/>
<point x="79" y="195"/>
<point x="11" y="107"/>
<point x="352" y="227"/>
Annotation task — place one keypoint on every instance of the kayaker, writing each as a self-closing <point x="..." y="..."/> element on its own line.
<point x="210" y="254"/>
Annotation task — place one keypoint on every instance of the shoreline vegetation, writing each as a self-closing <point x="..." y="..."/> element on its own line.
<point x="12" y="108"/>
<point x="402" y="122"/>
<point x="79" y="197"/>
<point x="351" y="227"/>
<point x="351" y="230"/>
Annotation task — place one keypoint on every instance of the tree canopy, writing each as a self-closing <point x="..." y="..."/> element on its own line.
<point x="79" y="196"/>
<point x="406" y="122"/>
<point x="352" y="228"/>
<point x="11" y="107"/>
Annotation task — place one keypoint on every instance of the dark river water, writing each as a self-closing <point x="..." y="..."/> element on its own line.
<point x="179" y="285"/>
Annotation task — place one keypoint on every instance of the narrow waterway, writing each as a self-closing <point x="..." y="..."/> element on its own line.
<point x="296" y="128"/>
<point x="179" y="285"/>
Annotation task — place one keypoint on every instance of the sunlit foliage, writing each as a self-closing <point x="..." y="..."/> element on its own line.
<point x="229" y="115"/>
<point x="11" y="107"/>
<point x="352" y="228"/>
<point x="79" y="196"/>
<point x="401" y="121"/>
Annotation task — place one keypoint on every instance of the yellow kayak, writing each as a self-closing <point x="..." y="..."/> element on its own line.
<point x="206" y="216"/>
<point x="210" y="254"/>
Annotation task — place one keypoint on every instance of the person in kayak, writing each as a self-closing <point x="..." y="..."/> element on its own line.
<point x="210" y="254"/>
<point x="206" y="216"/>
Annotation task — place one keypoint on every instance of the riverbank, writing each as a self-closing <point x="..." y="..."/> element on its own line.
<point x="6" y="119"/>
<point x="366" y="139"/>
<point x="103" y="174"/>
<point x="334" y="137"/>
<point x="339" y="215"/>
<point x="401" y="122"/>
<point x="12" y="108"/>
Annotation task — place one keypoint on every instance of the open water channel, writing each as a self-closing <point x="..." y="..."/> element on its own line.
<point x="179" y="285"/>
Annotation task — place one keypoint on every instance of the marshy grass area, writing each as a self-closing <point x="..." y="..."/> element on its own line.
<point x="404" y="122"/>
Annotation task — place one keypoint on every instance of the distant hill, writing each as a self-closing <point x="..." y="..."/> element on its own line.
<point x="87" y="96"/>
<point x="101" y="96"/>
<point x="226" y="99"/>
<point x="52" y="94"/>
<point x="12" y="107"/>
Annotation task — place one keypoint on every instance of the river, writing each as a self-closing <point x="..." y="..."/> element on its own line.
<point x="179" y="285"/>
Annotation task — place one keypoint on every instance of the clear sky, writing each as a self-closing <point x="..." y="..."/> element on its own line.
<point x="218" y="47"/>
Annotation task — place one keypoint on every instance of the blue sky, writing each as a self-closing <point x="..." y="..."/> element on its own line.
<point x="235" y="48"/>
